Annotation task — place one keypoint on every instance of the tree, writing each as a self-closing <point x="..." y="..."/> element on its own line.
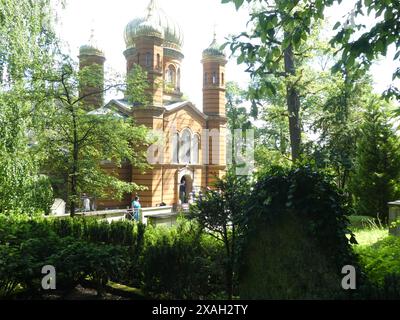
<point x="371" y="43"/>
<point x="220" y="214"/>
<point x="27" y="50"/>
<point x="272" y="48"/>
<point x="78" y="142"/>
<point x="335" y="120"/>
<point x="377" y="165"/>
<point x="238" y="117"/>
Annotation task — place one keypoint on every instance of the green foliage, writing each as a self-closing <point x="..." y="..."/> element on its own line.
<point x="377" y="165"/>
<point x="220" y="214"/>
<point x="136" y="86"/>
<point x="335" y="117"/>
<point x="381" y="259"/>
<point x="26" y="53"/>
<point x="78" y="248"/>
<point x="238" y="117"/>
<point x="181" y="263"/>
<point x="273" y="49"/>
<point x="369" y="44"/>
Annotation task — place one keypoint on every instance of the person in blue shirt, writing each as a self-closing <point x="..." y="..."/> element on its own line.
<point x="136" y="206"/>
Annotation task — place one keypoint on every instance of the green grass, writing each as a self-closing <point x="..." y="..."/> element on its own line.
<point x="367" y="231"/>
<point x="368" y="237"/>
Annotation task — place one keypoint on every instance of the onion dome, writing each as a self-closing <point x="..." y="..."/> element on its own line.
<point x="214" y="50"/>
<point x="156" y="23"/>
<point x="91" y="48"/>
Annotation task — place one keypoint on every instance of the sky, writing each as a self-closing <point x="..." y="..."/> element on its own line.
<point x="197" y="18"/>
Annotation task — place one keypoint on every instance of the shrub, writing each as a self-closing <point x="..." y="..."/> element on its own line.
<point x="381" y="259"/>
<point x="180" y="263"/>
<point x="77" y="248"/>
<point x="78" y="260"/>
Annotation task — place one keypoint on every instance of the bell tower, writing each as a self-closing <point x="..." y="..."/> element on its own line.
<point x="214" y="101"/>
<point x="92" y="59"/>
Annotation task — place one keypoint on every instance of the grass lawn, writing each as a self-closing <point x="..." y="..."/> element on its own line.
<point x="369" y="237"/>
<point x="367" y="231"/>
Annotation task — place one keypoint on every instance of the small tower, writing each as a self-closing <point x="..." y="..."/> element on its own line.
<point x="92" y="92"/>
<point x="214" y="61"/>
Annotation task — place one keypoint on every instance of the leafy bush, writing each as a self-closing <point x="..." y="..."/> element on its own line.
<point x="381" y="259"/>
<point x="78" y="260"/>
<point x="77" y="248"/>
<point x="180" y="263"/>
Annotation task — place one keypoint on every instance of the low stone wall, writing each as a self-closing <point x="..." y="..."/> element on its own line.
<point x="109" y="215"/>
<point x="156" y="215"/>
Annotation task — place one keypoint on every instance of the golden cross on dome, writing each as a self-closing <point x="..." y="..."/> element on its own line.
<point x="151" y="7"/>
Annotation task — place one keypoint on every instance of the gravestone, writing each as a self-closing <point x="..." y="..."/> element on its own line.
<point x="394" y="218"/>
<point x="283" y="263"/>
<point x="58" y="207"/>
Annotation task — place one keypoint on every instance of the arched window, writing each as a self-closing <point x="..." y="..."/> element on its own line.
<point x="175" y="148"/>
<point x="138" y="58"/>
<point x="195" y="149"/>
<point x="171" y="76"/>
<point x="223" y="78"/>
<point x="214" y="78"/>
<point x="205" y="78"/>
<point x="148" y="60"/>
<point x="185" y="146"/>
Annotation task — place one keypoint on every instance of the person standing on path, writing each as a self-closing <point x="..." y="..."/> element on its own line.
<point x="136" y="206"/>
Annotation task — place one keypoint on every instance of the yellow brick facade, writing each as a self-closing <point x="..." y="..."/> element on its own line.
<point x="156" y="47"/>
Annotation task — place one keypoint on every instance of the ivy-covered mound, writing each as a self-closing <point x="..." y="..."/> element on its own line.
<point x="296" y="242"/>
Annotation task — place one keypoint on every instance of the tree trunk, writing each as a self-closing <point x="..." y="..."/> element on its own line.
<point x="229" y="281"/>
<point x="293" y="105"/>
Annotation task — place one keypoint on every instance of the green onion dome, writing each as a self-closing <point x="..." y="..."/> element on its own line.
<point x="214" y="50"/>
<point x="91" y="48"/>
<point x="156" y="23"/>
<point x="88" y="50"/>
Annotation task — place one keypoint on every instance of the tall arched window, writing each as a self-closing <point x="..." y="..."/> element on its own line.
<point x="138" y="58"/>
<point x="148" y="60"/>
<point x="175" y="148"/>
<point x="223" y="79"/>
<point x="185" y="146"/>
<point x="195" y="149"/>
<point x="171" y="76"/>
<point x="205" y="78"/>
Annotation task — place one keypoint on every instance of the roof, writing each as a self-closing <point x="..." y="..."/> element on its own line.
<point x="174" y="107"/>
<point x="123" y="108"/>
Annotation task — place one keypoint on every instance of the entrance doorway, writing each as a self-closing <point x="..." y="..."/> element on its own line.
<point x="185" y="189"/>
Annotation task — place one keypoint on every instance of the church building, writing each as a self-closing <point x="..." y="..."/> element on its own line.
<point x="194" y="141"/>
